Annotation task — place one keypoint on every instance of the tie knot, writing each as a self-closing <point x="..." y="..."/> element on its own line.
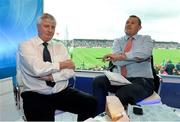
<point x="130" y="38"/>
<point x="45" y="44"/>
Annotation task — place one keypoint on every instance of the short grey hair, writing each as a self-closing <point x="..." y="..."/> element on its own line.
<point x="45" y="16"/>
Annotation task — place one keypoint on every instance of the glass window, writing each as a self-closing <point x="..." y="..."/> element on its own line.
<point x="88" y="27"/>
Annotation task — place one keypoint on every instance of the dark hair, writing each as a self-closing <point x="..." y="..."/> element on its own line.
<point x="139" y="20"/>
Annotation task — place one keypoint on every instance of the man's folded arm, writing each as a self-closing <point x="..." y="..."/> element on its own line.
<point x="32" y="64"/>
<point x="137" y="55"/>
<point x="143" y="51"/>
<point x="64" y="74"/>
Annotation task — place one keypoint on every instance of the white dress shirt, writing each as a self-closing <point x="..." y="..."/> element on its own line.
<point x="30" y="66"/>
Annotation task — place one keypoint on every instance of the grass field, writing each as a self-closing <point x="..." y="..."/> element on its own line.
<point x="85" y="58"/>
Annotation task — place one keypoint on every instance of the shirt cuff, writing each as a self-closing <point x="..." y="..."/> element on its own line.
<point x="55" y="77"/>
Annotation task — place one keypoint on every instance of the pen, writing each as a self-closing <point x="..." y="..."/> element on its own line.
<point x="99" y="58"/>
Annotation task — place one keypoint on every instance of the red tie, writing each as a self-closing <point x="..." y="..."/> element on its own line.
<point x="126" y="49"/>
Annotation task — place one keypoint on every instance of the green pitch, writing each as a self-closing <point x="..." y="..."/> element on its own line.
<point x="85" y="58"/>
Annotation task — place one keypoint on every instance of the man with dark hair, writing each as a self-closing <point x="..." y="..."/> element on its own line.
<point x="128" y="55"/>
<point x="44" y="68"/>
<point x="169" y="67"/>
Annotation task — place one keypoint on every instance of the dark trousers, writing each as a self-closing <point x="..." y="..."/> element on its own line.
<point x="39" y="107"/>
<point x="128" y="94"/>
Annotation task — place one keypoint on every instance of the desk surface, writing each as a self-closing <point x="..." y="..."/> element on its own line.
<point x="151" y="113"/>
<point x="155" y="112"/>
<point x="105" y="118"/>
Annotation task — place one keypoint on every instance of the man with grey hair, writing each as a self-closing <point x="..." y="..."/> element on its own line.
<point x="44" y="69"/>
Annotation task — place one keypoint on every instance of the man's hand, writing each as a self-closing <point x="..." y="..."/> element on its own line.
<point x="114" y="57"/>
<point x="46" y="78"/>
<point x="68" y="64"/>
<point x="107" y="57"/>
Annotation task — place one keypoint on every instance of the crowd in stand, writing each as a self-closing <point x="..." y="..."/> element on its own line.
<point x="84" y="43"/>
<point x="168" y="68"/>
<point x="92" y="43"/>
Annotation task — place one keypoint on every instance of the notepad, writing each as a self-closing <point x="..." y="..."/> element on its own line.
<point x="116" y="78"/>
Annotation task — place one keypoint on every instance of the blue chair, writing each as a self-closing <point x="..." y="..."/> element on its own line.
<point x="153" y="99"/>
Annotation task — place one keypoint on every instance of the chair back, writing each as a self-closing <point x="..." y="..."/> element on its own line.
<point x="111" y="66"/>
<point x="72" y="82"/>
<point x="156" y="77"/>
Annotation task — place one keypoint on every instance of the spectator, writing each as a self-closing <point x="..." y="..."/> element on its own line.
<point x="178" y="66"/>
<point x="169" y="67"/>
<point x="177" y="69"/>
<point x="162" y="71"/>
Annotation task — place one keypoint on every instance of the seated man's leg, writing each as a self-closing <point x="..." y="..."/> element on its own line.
<point x="77" y="102"/>
<point x="37" y="107"/>
<point x="87" y="106"/>
<point x="137" y="91"/>
<point x="100" y="91"/>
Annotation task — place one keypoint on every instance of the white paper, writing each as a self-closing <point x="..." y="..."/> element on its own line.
<point x="116" y="78"/>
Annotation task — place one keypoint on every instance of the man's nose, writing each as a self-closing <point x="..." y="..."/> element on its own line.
<point x="50" y="29"/>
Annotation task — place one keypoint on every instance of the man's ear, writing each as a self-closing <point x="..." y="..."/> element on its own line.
<point x="140" y="27"/>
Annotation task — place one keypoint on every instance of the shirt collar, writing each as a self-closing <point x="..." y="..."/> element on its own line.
<point x="40" y="41"/>
<point x="135" y="37"/>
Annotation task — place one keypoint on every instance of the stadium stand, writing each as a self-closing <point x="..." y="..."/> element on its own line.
<point x="108" y="43"/>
